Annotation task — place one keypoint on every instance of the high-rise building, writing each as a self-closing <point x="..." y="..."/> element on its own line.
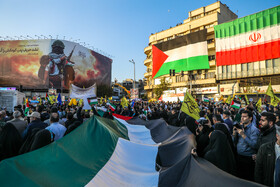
<point x="202" y="82"/>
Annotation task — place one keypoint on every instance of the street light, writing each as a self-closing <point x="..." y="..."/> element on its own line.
<point x="132" y="61"/>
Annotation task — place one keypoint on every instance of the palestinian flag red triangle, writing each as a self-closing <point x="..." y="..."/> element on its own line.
<point x="159" y="58"/>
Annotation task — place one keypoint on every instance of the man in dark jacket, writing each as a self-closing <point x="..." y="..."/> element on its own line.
<point x="265" y="162"/>
<point x="36" y="122"/>
<point x="267" y="128"/>
<point x="70" y="119"/>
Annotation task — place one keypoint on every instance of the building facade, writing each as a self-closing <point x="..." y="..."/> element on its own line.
<point x="201" y="82"/>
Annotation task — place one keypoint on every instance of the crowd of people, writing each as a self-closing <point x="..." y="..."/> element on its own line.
<point x="244" y="142"/>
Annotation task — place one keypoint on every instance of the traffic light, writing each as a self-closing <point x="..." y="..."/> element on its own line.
<point x="173" y="72"/>
<point x="170" y="72"/>
<point x="182" y="73"/>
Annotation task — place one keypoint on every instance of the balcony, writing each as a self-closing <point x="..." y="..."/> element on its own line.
<point x="211" y="45"/>
<point x="212" y="63"/>
<point x="147" y="49"/>
<point x="148" y="61"/>
<point x="148" y="87"/>
<point x="147" y="74"/>
<point x="204" y="81"/>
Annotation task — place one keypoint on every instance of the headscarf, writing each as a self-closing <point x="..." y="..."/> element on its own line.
<point x="10" y="141"/>
<point x="42" y="138"/>
<point x="219" y="153"/>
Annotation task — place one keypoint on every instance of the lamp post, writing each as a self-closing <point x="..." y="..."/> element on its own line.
<point x="132" y="61"/>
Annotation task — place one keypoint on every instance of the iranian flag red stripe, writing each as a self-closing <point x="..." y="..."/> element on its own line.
<point x="252" y="38"/>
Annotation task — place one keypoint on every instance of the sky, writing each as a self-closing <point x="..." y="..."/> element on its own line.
<point x="120" y="28"/>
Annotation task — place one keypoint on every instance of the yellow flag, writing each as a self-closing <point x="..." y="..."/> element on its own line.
<point x="74" y="102"/>
<point x="110" y="98"/>
<point x="81" y="102"/>
<point x="190" y="106"/>
<point x="228" y="101"/>
<point x="101" y="100"/>
<point x="258" y="105"/>
<point x="124" y="102"/>
<point x="71" y="102"/>
<point x="247" y="101"/>
<point x="221" y="98"/>
<point x="274" y="100"/>
<point x="269" y="90"/>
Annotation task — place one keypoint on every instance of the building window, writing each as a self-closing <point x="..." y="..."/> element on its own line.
<point x="243" y="67"/>
<point x="179" y="78"/>
<point x="210" y="12"/>
<point x="209" y="75"/>
<point x="276" y="62"/>
<point x="211" y="57"/>
<point x="159" y="41"/>
<point x="170" y="38"/>
<point x="209" y="26"/>
<point x="224" y="70"/>
<point x="195" y="17"/>
<point x="210" y="40"/>
<point x="268" y="63"/>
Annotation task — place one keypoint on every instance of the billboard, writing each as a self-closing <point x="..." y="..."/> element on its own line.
<point x="43" y="64"/>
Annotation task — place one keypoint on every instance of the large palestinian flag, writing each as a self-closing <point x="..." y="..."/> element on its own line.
<point x="121" y="152"/>
<point x="252" y="38"/>
<point x="183" y="53"/>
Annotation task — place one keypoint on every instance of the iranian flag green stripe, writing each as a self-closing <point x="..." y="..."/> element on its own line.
<point x="252" y="38"/>
<point x="184" y="53"/>
<point x="258" y="21"/>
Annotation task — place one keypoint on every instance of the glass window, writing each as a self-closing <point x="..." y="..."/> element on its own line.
<point x="276" y="62"/>
<point x="268" y="63"/>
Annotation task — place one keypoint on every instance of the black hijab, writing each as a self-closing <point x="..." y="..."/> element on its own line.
<point x="41" y="139"/>
<point x="222" y="127"/>
<point x="10" y="141"/>
<point x="219" y="153"/>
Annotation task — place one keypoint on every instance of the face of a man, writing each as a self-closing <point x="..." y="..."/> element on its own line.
<point x="245" y="119"/>
<point x="264" y="125"/>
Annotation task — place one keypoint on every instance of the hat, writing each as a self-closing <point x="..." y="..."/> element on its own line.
<point x="35" y="115"/>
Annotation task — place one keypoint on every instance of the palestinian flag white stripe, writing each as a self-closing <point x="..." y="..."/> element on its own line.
<point x="235" y="104"/>
<point x="131" y="164"/>
<point x="268" y="34"/>
<point x="137" y="133"/>
<point x="191" y="50"/>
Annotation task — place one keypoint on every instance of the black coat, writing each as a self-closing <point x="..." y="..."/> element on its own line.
<point x="265" y="164"/>
<point x="219" y="152"/>
<point x="267" y="136"/>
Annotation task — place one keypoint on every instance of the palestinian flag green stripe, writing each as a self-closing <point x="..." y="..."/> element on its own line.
<point x="254" y="22"/>
<point x="187" y="64"/>
<point x="71" y="161"/>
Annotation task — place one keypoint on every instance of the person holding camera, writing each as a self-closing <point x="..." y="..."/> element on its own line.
<point x="245" y="137"/>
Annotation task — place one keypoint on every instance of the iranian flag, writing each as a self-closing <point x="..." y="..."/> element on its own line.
<point x="120" y="152"/>
<point x="235" y="104"/>
<point x="112" y="106"/>
<point x="92" y="100"/>
<point x="252" y="38"/>
<point x="183" y="53"/>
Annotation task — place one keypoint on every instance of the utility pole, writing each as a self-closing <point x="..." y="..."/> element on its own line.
<point x="132" y="61"/>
